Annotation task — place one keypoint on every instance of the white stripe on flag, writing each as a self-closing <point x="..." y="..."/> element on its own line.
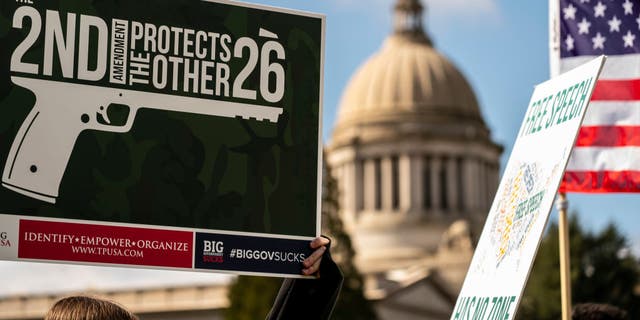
<point x="617" y="67"/>
<point x="604" y="159"/>
<point x="607" y="113"/>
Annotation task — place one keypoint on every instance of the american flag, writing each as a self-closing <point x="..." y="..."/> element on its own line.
<point x="606" y="157"/>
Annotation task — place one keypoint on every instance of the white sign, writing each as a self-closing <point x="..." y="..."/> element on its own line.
<point x="519" y="213"/>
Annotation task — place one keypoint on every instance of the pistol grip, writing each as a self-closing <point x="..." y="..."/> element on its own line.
<point x="40" y="151"/>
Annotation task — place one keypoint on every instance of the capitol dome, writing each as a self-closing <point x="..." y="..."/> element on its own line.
<point x="408" y="76"/>
<point x="408" y="81"/>
<point x="410" y="150"/>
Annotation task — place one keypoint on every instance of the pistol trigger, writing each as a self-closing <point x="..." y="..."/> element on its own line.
<point x="113" y="115"/>
<point x="103" y="114"/>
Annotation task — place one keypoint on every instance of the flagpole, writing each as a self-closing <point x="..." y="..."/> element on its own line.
<point x="565" y="264"/>
<point x="562" y="204"/>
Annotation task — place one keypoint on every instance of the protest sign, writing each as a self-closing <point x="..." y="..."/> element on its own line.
<point x="178" y="134"/>
<point x="507" y="247"/>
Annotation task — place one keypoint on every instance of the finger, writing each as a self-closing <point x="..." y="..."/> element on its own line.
<point x="309" y="261"/>
<point x="313" y="269"/>
<point x="319" y="242"/>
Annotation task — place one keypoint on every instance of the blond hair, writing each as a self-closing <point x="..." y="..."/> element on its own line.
<point x="87" y="308"/>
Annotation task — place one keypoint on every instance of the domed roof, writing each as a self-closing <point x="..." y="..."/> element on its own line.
<point x="408" y="79"/>
<point x="407" y="75"/>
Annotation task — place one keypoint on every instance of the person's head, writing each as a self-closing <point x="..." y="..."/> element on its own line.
<point x="87" y="308"/>
<point x="594" y="311"/>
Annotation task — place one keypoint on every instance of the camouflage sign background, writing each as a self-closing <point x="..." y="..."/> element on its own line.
<point x="193" y="115"/>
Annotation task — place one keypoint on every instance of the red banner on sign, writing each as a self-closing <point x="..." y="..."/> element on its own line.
<point x="104" y="244"/>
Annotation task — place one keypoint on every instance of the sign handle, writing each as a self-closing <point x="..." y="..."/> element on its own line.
<point x="565" y="264"/>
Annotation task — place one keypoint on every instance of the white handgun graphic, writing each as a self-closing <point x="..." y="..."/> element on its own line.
<point x="43" y="145"/>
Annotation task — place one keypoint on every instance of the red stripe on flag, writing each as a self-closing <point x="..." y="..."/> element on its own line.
<point x="608" y="136"/>
<point x="600" y="181"/>
<point x="616" y="90"/>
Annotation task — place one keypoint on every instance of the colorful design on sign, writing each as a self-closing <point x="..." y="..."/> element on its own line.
<point x="517" y="209"/>
<point x="511" y="236"/>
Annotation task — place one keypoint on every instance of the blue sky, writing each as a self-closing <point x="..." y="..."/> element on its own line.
<point x="502" y="48"/>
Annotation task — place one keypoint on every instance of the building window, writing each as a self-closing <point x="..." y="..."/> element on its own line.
<point x="442" y="175"/>
<point x="378" y="183"/>
<point x="427" y="202"/>
<point x="395" y="183"/>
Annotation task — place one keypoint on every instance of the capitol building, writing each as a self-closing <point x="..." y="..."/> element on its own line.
<point x="416" y="170"/>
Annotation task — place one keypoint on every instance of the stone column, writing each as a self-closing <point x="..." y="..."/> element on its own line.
<point x="488" y="175"/>
<point x="493" y="181"/>
<point x="482" y="185"/>
<point x="349" y="187"/>
<point x="426" y="203"/>
<point x="495" y="178"/>
<point x="452" y="185"/>
<point x="337" y="171"/>
<point x="488" y="183"/>
<point x="406" y="183"/>
<point x="417" y="183"/>
<point x="469" y="184"/>
<point x="369" y="185"/>
<point x="436" y="164"/>
<point x="359" y="185"/>
<point x="387" y="184"/>
<point x="460" y="181"/>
